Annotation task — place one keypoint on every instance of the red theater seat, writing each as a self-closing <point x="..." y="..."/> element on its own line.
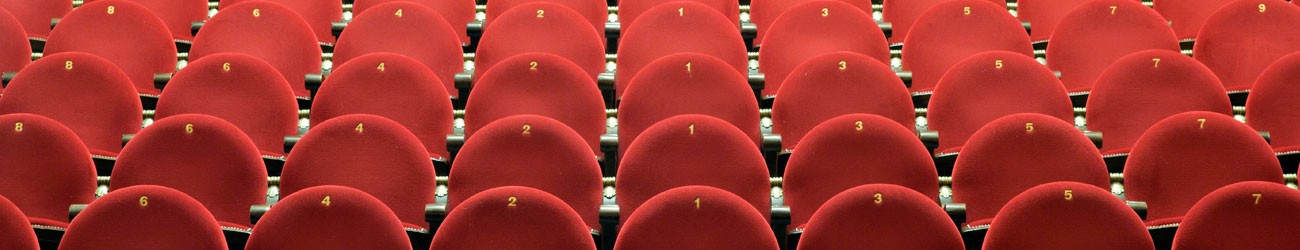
<point x="1144" y="87"/>
<point x="240" y="89"/>
<point x="1245" y="36"/>
<point x="1044" y="15"/>
<point x="531" y="151"/>
<point x="1097" y="33"/>
<point x="1188" y="155"/>
<point x="124" y="32"/>
<point x="763" y="13"/>
<point x="15" y="51"/>
<point x="369" y="153"/>
<point x="806" y="33"/>
<point x="691" y="150"/>
<point x="538" y="84"/>
<point x="35" y="15"/>
<point x="835" y="84"/>
<point x="668" y="87"/>
<point x="1067" y="215"/>
<point x="265" y="30"/>
<point x="852" y="150"/>
<point x="179" y="15"/>
<point x="882" y="216"/>
<point x="320" y="14"/>
<point x="595" y="12"/>
<point x="629" y="10"/>
<point x="1016" y="153"/>
<point x="47" y="169"/>
<point x="206" y="157"/>
<point x="328" y="218"/>
<point x="1187" y="16"/>
<point x="954" y="30"/>
<point x="542" y="27"/>
<point x="513" y="217"/>
<point x="395" y="87"/>
<point x="458" y="13"/>
<point x="144" y="216"/>
<point x="417" y="32"/>
<point x="678" y="27"/>
<point x="1271" y="105"/>
<point x="990" y="85"/>
<point x="15" y="228"/>
<point x="1245" y="215"/>
<point x="82" y="91"/>
<point x="696" y="217"/>
<point x="902" y="14"/>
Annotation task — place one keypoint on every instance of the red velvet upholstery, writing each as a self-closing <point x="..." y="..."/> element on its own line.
<point x="1090" y="38"/>
<point x="177" y="14"/>
<point x="401" y="90"/>
<point x="93" y="98"/>
<point x="15" y="50"/>
<point x="823" y="88"/>
<point x="318" y="13"/>
<point x="695" y="217"/>
<point x="665" y="31"/>
<point x="691" y="150"/>
<point x="629" y="10"/>
<point x="554" y="88"/>
<point x="144" y="216"/>
<point x="667" y="88"/>
<point x="513" y="217"/>
<point x="249" y="94"/>
<point x="46" y="168"/>
<point x="124" y="32"/>
<point x="763" y="13"/>
<point x="1271" y="104"/>
<point x="366" y="152"/>
<point x="1239" y="40"/>
<point x="1187" y="16"/>
<point x="841" y="154"/>
<point x="275" y="34"/>
<point x="35" y="15"/>
<point x="458" y="13"/>
<point x="15" y="228"/>
<point x="1188" y="155"/>
<point x="805" y="34"/>
<point x="595" y="12"/>
<point x="560" y="31"/>
<point x="902" y="14"/>
<point x="1017" y="152"/>
<point x="418" y="32"/>
<point x="882" y="216"/>
<point x="1135" y="92"/>
<point x="206" y="157"/>
<point x="931" y="48"/>
<point x="976" y="91"/>
<point x="1044" y="15"/>
<point x="329" y="217"/>
<point x="532" y="151"/>
<point x="1245" y="215"/>
<point x="1067" y="215"/>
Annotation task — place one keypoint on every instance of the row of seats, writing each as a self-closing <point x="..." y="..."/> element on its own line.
<point x="1252" y="214"/>
<point x="1180" y="159"/>
<point x="1080" y="52"/>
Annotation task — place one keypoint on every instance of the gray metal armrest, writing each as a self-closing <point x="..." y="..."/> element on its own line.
<point x="160" y="80"/>
<point x="75" y="209"/>
<point x="256" y="212"/>
<point x="956" y="211"/>
<point x="290" y="141"/>
<point x="1138" y="207"/>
